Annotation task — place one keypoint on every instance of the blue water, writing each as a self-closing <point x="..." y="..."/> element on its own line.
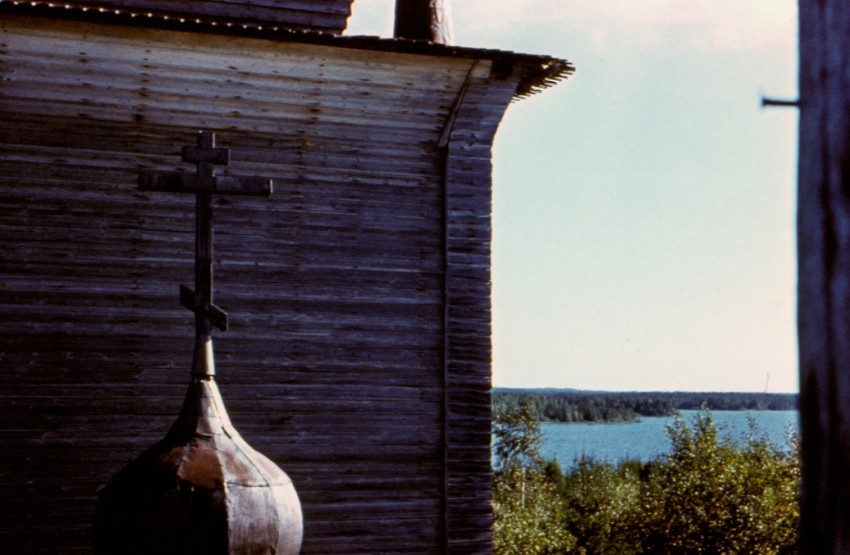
<point x="647" y="438"/>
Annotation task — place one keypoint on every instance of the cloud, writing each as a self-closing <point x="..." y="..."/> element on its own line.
<point x="705" y="24"/>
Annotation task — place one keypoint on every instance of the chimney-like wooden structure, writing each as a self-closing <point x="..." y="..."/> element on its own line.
<point x="429" y="20"/>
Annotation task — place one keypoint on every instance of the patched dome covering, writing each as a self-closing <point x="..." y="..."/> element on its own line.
<point x="202" y="489"/>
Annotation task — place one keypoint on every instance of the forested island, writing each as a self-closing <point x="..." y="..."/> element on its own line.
<point x="573" y="405"/>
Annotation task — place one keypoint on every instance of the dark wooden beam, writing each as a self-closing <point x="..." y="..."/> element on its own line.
<point x="424" y="20"/>
<point x="824" y="274"/>
<point x="204" y="183"/>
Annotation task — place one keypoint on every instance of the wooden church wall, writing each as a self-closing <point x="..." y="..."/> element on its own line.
<point x="468" y="356"/>
<point x="358" y="355"/>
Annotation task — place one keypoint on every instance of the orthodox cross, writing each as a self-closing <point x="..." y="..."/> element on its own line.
<point x="204" y="183"/>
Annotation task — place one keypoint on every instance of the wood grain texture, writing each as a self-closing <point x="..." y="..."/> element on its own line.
<point x="358" y="353"/>
<point x="824" y="274"/>
<point x="467" y="303"/>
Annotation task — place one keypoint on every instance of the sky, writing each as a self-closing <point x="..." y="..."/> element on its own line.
<point x="644" y="209"/>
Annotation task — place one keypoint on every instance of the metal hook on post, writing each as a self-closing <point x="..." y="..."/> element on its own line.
<point x="777" y="102"/>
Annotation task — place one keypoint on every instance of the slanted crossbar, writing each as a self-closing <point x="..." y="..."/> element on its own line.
<point x="204" y="183"/>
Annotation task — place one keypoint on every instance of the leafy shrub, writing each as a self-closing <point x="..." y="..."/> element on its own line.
<point x="525" y="498"/>
<point x="707" y="495"/>
<point x="717" y="496"/>
<point x="600" y="504"/>
<point x="528" y="515"/>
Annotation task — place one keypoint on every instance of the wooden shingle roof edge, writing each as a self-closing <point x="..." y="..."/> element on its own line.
<point x="537" y="72"/>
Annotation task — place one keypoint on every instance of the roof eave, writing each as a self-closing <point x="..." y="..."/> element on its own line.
<point x="537" y="72"/>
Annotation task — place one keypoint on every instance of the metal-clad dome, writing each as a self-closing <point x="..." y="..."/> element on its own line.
<point x="202" y="489"/>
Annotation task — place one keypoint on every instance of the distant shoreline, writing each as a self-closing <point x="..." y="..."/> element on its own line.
<point x="574" y="405"/>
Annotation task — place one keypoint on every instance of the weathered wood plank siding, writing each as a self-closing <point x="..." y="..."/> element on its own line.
<point x="468" y="361"/>
<point x="824" y="275"/>
<point x="358" y="356"/>
<point x="329" y="16"/>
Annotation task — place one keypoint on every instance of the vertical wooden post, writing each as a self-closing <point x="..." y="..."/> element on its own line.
<point x="424" y="20"/>
<point x="824" y="274"/>
<point x="204" y="238"/>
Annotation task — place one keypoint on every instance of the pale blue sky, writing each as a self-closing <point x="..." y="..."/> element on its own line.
<point x="644" y="208"/>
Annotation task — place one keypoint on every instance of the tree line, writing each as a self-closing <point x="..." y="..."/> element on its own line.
<point x="571" y="405"/>
<point x="709" y="494"/>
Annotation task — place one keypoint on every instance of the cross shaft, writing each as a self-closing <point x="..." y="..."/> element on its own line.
<point x="204" y="184"/>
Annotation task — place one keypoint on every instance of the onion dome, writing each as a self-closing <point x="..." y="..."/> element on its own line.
<point x="202" y="489"/>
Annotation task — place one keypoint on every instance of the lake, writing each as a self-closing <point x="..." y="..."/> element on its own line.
<point x="647" y="438"/>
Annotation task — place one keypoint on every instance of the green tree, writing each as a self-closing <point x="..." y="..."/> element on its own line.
<point x="712" y="495"/>
<point x="517" y="437"/>
<point x="601" y="504"/>
<point x="526" y="504"/>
